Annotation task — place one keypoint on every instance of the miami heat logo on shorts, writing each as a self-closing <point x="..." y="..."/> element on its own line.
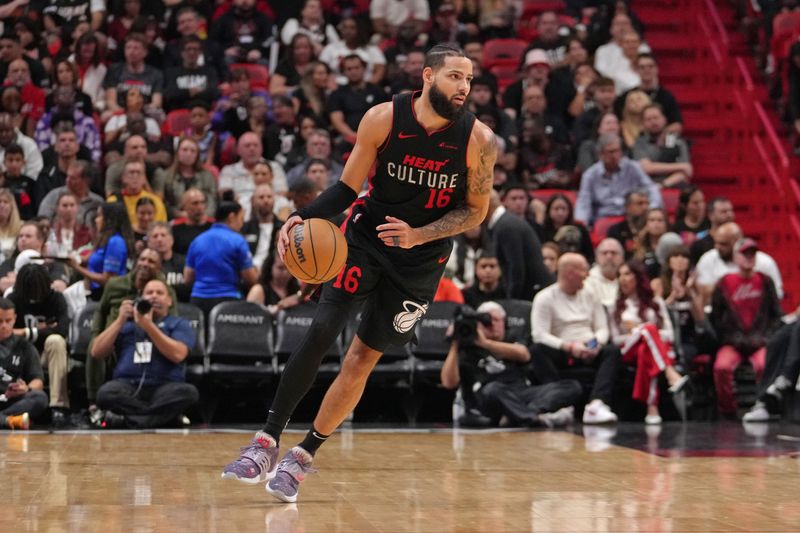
<point x="405" y="320"/>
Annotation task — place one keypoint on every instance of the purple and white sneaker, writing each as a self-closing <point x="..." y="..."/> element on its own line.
<point x="256" y="463"/>
<point x="290" y="472"/>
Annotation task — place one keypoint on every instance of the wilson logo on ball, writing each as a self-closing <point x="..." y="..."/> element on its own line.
<point x="298" y="244"/>
<point x="317" y="251"/>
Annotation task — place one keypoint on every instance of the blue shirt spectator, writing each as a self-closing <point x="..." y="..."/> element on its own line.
<point x="218" y="256"/>
<point x="605" y="184"/>
<point x="112" y="258"/>
<point x="160" y="369"/>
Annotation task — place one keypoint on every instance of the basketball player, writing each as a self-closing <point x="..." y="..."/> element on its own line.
<point x="434" y="174"/>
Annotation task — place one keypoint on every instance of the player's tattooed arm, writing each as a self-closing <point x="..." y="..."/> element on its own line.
<point x="480" y="176"/>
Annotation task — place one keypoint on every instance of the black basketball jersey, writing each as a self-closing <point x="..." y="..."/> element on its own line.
<point x="420" y="176"/>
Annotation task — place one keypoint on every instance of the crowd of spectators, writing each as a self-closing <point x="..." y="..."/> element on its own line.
<point x="153" y="149"/>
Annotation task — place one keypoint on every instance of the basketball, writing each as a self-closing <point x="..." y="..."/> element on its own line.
<point x="317" y="251"/>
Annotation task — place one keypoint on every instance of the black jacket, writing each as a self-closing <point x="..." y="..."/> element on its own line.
<point x="519" y="253"/>
<point x="53" y="311"/>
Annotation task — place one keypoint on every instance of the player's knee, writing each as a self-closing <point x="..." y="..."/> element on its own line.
<point x="360" y="360"/>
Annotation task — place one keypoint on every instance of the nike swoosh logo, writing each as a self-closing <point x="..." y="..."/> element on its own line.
<point x="402" y="135"/>
<point x="443" y="259"/>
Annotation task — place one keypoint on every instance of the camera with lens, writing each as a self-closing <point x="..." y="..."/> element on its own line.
<point x="465" y="326"/>
<point x="142" y="306"/>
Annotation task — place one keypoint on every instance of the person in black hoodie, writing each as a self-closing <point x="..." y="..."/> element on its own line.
<point x="43" y="320"/>
<point x="190" y="81"/>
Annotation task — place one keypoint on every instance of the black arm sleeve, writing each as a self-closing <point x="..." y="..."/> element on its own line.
<point x="331" y="202"/>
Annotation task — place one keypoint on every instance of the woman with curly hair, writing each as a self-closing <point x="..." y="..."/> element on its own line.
<point x="642" y="329"/>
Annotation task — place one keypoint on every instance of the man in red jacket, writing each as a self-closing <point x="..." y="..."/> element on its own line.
<point x="745" y="311"/>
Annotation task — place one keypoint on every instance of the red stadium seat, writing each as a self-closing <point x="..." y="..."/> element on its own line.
<point x="259" y="74"/>
<point x="177" y="122"/>
<point x="601" y="225"/>
<point x="503" y="52"/>
<point x="505" y="74"/>
<point x="671" y="198"/>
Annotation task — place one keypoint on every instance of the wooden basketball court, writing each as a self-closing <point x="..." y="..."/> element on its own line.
<point x="424" y="481"/>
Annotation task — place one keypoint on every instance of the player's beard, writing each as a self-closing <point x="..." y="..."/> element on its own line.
<point x="443" y="106"/>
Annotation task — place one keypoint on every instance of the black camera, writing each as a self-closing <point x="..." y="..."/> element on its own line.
<point x="465" y="326"/>
<point x="142" y="306"/>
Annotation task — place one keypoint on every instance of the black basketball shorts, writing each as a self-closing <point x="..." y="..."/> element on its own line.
<point x="395" y="297"/>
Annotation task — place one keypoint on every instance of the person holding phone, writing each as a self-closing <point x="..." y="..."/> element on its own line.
<point x="21" y="376"/>
<point x="677" y="286"/>
<point x="569" y="328"/>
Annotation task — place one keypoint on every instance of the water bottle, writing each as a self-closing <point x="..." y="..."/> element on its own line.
<point x="52" y="248"/>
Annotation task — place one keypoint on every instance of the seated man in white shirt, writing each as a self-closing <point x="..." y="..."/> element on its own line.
<point x="570" y="328"/>
<point x="715" y="263"/>
<point x="602" y="282"/>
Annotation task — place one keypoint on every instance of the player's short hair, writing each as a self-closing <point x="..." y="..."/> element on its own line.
<point x="6" y="304"/>
<point x="436" y="56"/>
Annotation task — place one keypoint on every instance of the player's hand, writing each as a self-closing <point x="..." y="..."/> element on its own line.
<point x="283" y="235"/>
<point x="397" y="234"/>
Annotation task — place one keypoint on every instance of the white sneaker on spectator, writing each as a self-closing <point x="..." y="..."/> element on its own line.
<point x="598" y="438"/>
<point x="757" y="413"/>
<point x="597" y="412"/>
<point x="653" y="420"/>
<point x="562" y="417"/>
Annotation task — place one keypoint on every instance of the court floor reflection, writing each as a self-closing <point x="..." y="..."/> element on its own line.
<point x="403" y="482"/>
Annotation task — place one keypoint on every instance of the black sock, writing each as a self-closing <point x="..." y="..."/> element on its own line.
<point x="273" y="427"/>
<point x="301" y="368"/>
<point x="313" y="441"/>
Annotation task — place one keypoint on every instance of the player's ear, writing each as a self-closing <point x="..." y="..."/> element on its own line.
<point x="427" y="74"/>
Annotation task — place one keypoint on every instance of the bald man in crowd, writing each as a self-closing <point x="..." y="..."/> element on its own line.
<point x="238" y="177"/>
<point x="602" y="281"/>
<point x="570" y="328"/>
<point x="717" y="262"/>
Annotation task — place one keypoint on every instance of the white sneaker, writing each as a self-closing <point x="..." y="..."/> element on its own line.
<point x="757" y="413"/>
<point x="597" y="412"/>
<point x="562" y="417"/>
<point x="653" y="420"/>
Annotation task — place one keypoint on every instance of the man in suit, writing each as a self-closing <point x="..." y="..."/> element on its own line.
<point x="518" y="251"/>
